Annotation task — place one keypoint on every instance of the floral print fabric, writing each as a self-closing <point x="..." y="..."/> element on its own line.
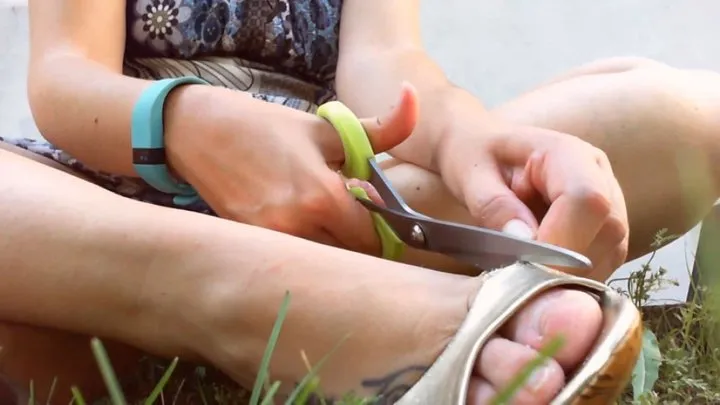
<point x="296" y="37"/>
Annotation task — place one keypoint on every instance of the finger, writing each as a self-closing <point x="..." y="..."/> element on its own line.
<point x="350" y="222"/>
<point x="494" y="205"/>
<point x="354" y="227"/>
<point x="618" y="222"/>
<point x="391" y="130"/>
<point x="609" y="249"/>
<point x="580" y="200"/>
<point x="384" y="133"/>
<point x="607" y="264"/>
<point x="372" y="193"/>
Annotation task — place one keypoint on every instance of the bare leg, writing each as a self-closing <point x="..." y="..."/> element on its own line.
<point x="44" y="355"/>
<point x="659" y="126"/>
<point x="81" y="267"/>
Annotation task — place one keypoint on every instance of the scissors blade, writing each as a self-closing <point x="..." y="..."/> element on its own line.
<point x="482" y="247"/>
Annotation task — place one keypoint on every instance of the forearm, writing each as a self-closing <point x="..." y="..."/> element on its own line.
<point x="85" y="108"/>
<point x="369" y="84"/>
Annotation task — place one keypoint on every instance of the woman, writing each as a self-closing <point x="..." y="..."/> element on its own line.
<point x="103" y="265"/>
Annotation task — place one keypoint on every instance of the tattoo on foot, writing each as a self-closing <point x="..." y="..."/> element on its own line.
<point x="384" y="390"/>
<point x="391" y="388"/>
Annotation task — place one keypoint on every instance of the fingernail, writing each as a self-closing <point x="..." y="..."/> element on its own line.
<point x="369" y="189"/>
<point x="518" y="228"/>
<point x="358" y="183"/>
<point x="539" y="378"/>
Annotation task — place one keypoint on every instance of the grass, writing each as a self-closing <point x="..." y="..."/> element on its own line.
<point x="685" y="333"/>
<point x="687" y="374"/>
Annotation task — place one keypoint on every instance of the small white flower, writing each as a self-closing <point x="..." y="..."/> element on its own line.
<point x="158" y="22"/>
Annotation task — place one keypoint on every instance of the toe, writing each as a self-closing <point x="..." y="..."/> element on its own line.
<point x="480" y="392"/>
<point x="501" y="360"/>
<point x="570" y="314"/>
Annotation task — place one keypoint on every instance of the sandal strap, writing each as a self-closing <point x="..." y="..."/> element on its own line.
<point x="602" y="376"/>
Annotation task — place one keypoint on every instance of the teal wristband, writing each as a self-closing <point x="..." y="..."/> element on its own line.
<point x="148" y="140"/>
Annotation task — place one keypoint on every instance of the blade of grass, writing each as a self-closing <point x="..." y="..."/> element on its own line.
<point x="179" y="390"/>
<point x="545" y="353"/>
<point x="201" y="390"/>
<point x="271" y="393"/>
<point x="296" y="394"/>
<point x="77" y="396"/>
<point x="52" y="391"/>
<point x="264" y="364"/>
<point x="31" y="400"/>
<point x="160" y="386"/>
<point x="300" y="396"/>
<point x="107" y="372"/>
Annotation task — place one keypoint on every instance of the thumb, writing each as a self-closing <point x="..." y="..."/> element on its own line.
<point x="391" y="130"/>
<point x="494" y="205"/>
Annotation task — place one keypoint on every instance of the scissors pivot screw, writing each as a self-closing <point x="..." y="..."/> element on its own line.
<point x="417" y="235"/>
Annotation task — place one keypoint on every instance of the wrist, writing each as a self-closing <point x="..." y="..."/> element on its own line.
<point x="185" y="116"/>
<point x="453" y="110"/>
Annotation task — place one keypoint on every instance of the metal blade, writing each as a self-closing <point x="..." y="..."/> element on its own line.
<point x="471" y="244"/>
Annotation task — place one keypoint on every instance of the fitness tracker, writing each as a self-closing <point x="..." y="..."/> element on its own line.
<point x="148" y="140"/>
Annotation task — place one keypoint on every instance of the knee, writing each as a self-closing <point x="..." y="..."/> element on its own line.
<point x="622" y="64"/>
<point x="611" y="67"/>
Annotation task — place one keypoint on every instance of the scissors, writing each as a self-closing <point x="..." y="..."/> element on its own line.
<point x="399" y="226"/>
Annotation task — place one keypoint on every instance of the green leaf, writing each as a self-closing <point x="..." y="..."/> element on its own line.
<point x="647" y="367"/>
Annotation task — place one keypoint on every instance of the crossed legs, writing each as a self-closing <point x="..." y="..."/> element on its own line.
<point x="658" y="125"/>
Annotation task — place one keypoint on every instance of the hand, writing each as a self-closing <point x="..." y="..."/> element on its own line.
<point x="535" y="182"/>
<point x="275" y="167"/>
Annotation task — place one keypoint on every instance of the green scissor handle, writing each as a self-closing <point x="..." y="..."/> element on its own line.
<point x="358" y="152"/>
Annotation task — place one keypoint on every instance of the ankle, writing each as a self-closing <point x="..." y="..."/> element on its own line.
<point x="388" y="321"/>
<point x="395" y="336"/>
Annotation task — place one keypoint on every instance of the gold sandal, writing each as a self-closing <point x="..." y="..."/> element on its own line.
<point x="600" y="379"/>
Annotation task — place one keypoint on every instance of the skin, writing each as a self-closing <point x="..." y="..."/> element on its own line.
<point x="138" y="281"/>
<point x="441" y="168"/>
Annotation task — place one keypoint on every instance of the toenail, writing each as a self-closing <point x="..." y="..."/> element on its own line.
<point x="539" y="318"/>
<point x="539" y="378"/>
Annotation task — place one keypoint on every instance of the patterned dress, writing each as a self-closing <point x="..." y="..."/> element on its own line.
<point x="280" y="51"/>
